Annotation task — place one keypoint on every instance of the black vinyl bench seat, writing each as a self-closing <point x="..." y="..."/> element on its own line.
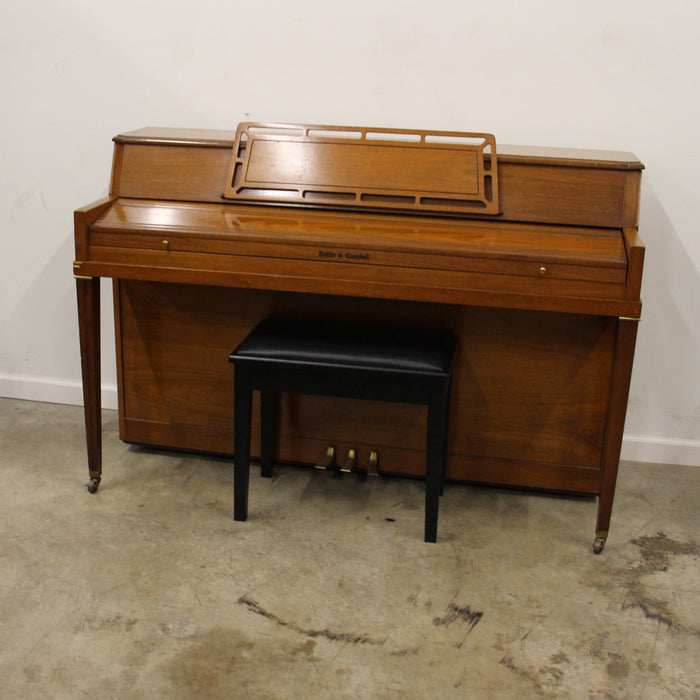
<point x="362" y="361"/>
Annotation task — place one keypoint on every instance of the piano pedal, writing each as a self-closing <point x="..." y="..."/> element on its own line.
<point x="328" y="462"/>
<point x="373" y="468"/>
<point x="350" y="464"/>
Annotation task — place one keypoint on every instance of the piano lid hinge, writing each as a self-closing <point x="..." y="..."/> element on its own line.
<point x="629" y="318"/>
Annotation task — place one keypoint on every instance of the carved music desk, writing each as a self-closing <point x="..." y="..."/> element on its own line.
<point x="530" y="256"/>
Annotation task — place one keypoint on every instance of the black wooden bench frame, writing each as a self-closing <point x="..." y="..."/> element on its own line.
<point x="376" y="363"/>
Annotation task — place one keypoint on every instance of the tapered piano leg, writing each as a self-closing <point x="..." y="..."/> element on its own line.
<point x="617" y="410"/>
<point x="88" y="292"/>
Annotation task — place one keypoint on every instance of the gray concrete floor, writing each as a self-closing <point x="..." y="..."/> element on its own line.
<point x="149" y="589"/>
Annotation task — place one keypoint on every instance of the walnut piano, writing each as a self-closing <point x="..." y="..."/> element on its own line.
<point x="530" y="256"/>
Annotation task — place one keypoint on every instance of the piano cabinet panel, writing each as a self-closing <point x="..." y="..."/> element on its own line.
<point x="550" y="194"/>
<point x="185" y="173"/>
<point x="540" y="185"/>
<point x="530" y="392"/>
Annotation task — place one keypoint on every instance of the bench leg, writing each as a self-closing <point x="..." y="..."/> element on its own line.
<point x="445" y="434"/>
<point x="267" y="432"/>
<point x="242" y="404"/>
<point x="434" y="467"/>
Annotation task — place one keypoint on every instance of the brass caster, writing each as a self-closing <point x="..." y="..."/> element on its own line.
<point x="93" y="484"/>
<point x="598" y="545"/>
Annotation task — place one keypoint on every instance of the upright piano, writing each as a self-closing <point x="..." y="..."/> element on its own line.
<point x="530" y="256"/>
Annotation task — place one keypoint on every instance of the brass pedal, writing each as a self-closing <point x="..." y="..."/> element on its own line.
<point x="373" y="468"/>
<point x="328" y="462"/>
<point x="350" y="464"/>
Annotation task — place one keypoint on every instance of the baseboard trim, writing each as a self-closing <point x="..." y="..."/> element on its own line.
<point x="48" y="390"/>
<point x="661" y="450"/>
<point x="635" y="448"/>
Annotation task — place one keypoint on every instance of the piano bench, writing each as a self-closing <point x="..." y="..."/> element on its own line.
<point x="381" y="363"/>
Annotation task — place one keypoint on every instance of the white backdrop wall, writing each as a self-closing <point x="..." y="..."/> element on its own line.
<point x="618" y="74"/>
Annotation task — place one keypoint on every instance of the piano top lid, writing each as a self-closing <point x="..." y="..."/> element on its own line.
<point x="175" y="136"/>
<point x="573" y="157"/>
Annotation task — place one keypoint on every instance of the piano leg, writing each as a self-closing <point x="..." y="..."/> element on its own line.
<point x="88" y="293"/>
<point x="617" y="410"/>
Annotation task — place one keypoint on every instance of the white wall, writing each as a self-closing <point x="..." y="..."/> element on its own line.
<point x="618" y="74"/>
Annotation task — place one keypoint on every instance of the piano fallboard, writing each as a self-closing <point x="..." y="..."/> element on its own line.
<point x="473" y="262"/>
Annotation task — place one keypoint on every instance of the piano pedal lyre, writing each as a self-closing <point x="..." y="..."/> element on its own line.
<point x="350" y="464"/>
<point x="328" y="462"/>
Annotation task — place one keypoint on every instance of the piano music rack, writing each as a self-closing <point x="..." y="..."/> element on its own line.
<point x="364" y="168"/>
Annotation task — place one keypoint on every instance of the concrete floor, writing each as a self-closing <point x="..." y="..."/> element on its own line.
<point x="149" y="589"/>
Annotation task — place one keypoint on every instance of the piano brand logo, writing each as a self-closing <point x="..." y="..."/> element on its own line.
<point x="333" y="255"/>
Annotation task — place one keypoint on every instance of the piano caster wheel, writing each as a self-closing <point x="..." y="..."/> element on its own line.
<point x="598" y="545"/>
<point x="93" y="484"/>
